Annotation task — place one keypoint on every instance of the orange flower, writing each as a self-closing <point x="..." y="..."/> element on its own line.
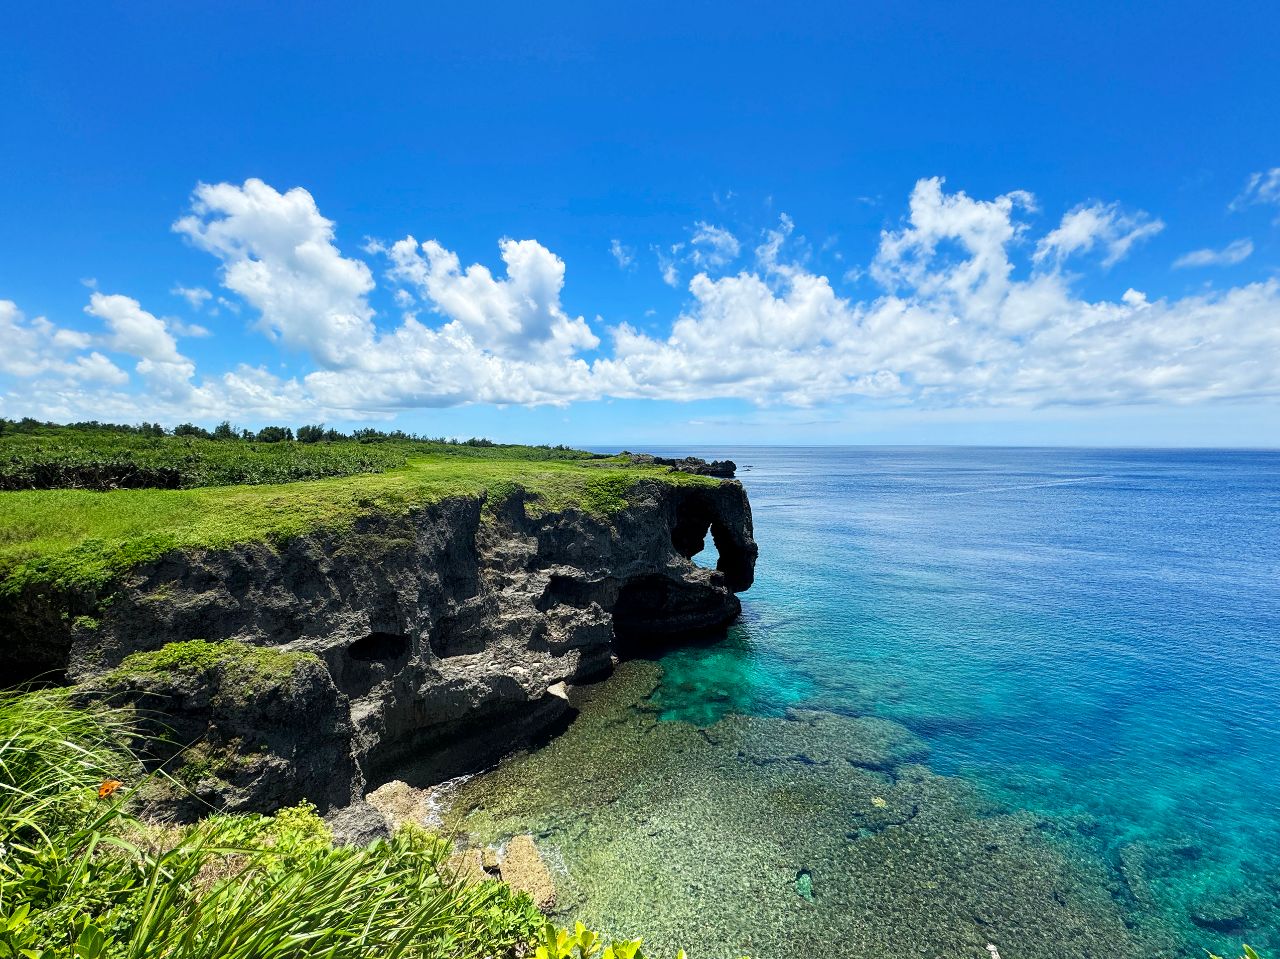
<point x="108" y="787"/>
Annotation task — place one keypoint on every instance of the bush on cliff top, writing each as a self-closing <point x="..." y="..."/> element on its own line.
<point x="81" y="878"/>
<point x="105" y="457"/>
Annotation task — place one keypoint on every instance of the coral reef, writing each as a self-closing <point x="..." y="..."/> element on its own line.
<point x="826" y="825"/>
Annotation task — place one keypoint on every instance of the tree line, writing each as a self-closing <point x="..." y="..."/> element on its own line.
<point x="225" y="431"/>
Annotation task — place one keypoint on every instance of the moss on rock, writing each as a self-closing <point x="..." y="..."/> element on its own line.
<point x="238" y="727"/>
<point x="241" y="667"/>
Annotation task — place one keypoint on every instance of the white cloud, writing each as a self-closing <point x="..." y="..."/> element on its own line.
<point x="182" y="328"/>
<point x="956" y="327"/>
<point x="147" y="337"/>
<point x="37" y="348"/>
<point x="278" y="253"/>
<point x="625" y="256"/>
<point x="1098" y="225"/>
<point x="196" y="296"/>
<point x="668" y="263"/>
<point x="1261" y="187"/>
<point x="515" y="316"/>
<point x="1234" y="252"/>
<point x="712" y="247"/>
<point x="973" y="312"/>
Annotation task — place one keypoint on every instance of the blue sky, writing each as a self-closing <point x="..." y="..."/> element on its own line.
<point x="727" y="222"/>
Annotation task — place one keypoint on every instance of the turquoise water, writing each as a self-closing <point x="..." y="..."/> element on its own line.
<point x="1093" y="635"/>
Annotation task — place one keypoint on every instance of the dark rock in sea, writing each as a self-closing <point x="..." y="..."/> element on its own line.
<point x="1221" y="910"/>
<point x="808" y="736"/>
<point x="722" y="469"/>
<point x="438" y="639"/>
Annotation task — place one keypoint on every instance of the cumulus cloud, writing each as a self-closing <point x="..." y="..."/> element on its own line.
<point x="955" y="326"/>
<point x="144" y="335"/>
<point x="38" y="348"/>
<point x="514" y="316"/>
<point x="1261" y="187"/>
<point x="1096" y="226"/>
<point x="278" y="253"/>
<point x="1234" y="252"/>
<point x="973" y="310"/>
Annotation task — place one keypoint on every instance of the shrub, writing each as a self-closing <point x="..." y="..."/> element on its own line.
<point x="275" y="434"/>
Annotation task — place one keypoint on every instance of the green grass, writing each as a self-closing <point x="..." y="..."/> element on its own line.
<point x="81" y="878"/>
<point x="79" y="538"/>
<point x="244" y="665"/>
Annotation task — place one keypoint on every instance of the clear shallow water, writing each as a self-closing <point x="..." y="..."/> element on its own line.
<point x="1090" y="634"/>
<point x="1087" y="641"/>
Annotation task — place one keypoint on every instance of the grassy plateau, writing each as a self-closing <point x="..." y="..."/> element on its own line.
<point x="81" y="537"/>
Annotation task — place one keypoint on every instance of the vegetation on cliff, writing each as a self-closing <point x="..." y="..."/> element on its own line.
<point x="80" y="538"/>
<point x="82" y="878"/>
<point x="103" y="456"/>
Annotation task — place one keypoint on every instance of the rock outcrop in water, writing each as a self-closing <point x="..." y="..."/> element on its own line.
<point x="445" y="634"/>
<point x="723" y="469"/>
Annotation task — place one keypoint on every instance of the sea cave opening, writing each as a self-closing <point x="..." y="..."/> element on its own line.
<point x="379" y="647"/>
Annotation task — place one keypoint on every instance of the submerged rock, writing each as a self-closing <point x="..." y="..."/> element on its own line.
<point x="691" y="837"/>
<point x="1221" y="910"/>
<point x="522" y="868"/>
<point x="806" y="736"/>
<point x="804" y="885"/>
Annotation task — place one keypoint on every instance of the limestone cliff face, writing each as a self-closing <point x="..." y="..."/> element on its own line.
<point x="444" y="632"/>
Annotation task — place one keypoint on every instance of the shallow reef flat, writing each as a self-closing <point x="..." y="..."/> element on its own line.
<point x="771" y="835"/>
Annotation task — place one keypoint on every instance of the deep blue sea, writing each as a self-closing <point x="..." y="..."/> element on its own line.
<point x="1093" y="635"/>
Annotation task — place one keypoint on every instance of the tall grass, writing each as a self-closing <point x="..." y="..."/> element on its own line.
<point x="82" y="878"/>
<point x="50" y="753"/>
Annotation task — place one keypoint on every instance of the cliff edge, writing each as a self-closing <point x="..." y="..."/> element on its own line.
<point x="425" y="642"/>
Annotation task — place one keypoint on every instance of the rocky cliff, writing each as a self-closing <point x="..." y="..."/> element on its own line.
<point x="425" y="644"/>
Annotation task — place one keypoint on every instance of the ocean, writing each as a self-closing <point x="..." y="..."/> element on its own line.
<point x="1069" y="661"/>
